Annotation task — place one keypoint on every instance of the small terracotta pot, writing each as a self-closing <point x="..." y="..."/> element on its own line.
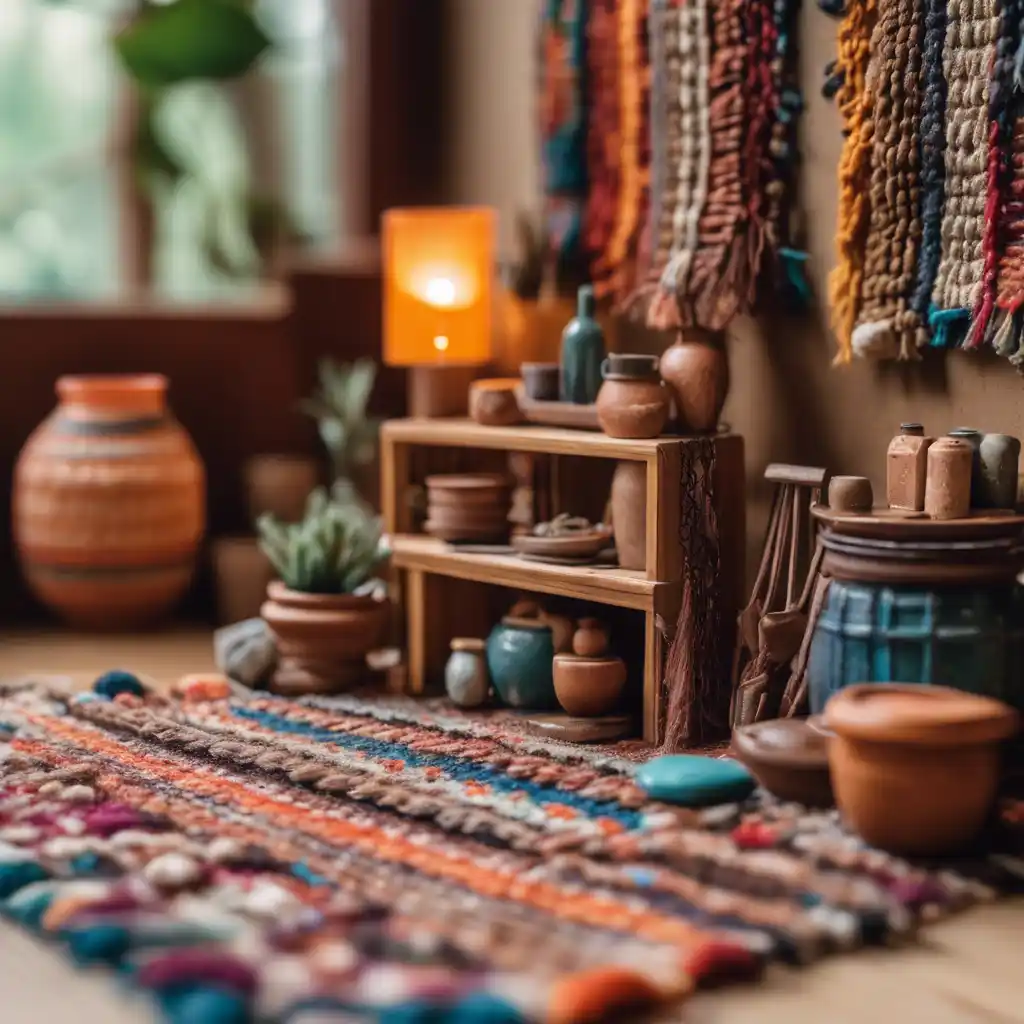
<point x="492" y="403"/>
<point x="696" y="371"/>
<point x="588" y="687"/>
<point x="280" y="485"/>
<point x="789" y="757"/>
<point x="632" y="407"/>
<point x="915" y="768"/>
<point x="590" y="639"/>
<point x="629" y="514"/>
<point x="322" y="639"/>
<point x="850" y="494"/>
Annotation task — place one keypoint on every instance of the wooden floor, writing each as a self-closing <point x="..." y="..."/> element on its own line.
<point x="965" y="971"/>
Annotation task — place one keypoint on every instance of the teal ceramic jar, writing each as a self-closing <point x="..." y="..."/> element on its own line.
<point x="520" y="653"/>
<point x="967" y="637"/>
<point x="582" y="353"/>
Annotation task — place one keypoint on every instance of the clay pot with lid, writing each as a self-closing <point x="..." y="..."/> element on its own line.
<point x="632" y="402"/>
<point x="322" y="639"/>
<point x="109" y="503"/>
<point x="696" y="371"/>
<point x="915" y="768"/>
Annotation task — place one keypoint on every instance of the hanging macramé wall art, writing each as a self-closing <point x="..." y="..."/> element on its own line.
<point x="689" y="110"/>
<point x="931" y="205"/>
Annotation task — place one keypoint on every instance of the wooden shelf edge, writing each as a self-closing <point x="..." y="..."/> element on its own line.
<point x="620" y="587"/>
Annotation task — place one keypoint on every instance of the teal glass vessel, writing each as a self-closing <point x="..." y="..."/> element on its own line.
<point x="582" y="353"/>
<point x="519" y="660"/>
<point x="969" y="638"/>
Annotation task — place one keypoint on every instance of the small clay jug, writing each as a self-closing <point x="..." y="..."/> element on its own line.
<point x="696" y="371"/>
<point x="906" y="468"/>
<point x="629" y="514"/>
<point x="915" y="768"/>
<point x="582" y="353"/>
<point x="632" y="403"/>
<point x="947" y="492"/>
<point x="999" y="456"/>
<point x="590" y="639"/>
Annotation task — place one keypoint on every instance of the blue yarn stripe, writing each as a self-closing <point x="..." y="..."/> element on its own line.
<point x="454" y="768"/>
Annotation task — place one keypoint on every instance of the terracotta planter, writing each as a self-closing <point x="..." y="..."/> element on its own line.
<point x="322" y="639"/>
<point x="588" y="687"/>
<point x="915" y="768"/>
<point x="629" y="514"/>
<point x="632" y="403"/>
<point x="696" y="371"/>
<point x="280" y="485"/>
<point x="241" y="575"/>
<point x="109" y="503"/>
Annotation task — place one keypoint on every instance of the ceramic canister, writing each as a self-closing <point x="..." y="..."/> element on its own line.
<point x="999" y="456"/>
<point x="109" y="503"/>
<point x="520" y="653"/>
<point x="465" y="674"/>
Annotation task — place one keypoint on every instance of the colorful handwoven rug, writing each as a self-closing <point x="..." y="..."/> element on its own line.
<point x="931" y="228"/>
<point x="257" y="858"/>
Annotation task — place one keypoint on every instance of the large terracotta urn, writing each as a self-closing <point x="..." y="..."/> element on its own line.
<point x="322" y="639"/>
<point x="696" y="371"/>
<point x="109" y="503"/>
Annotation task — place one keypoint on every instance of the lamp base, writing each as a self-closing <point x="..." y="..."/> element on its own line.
<point x="439" y="391"/>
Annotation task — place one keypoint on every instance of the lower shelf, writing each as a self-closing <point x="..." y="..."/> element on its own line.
<point x="624" y="588"/>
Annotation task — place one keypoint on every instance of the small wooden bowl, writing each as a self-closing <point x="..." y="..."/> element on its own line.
<point x="588" y="687"/>
<point x="587" y="544"/>
<point x="492" y="402"/>
<point x="464" y="489"/>
<point x="789" y="757"/>
<point x="915" y="768"/>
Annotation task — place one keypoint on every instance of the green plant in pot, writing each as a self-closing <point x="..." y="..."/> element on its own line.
<point x="339" y="406"/>
<point x="329" y="609"/>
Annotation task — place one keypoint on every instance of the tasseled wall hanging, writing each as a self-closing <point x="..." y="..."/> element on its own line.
<point x="688" y="111"/>
<point x="931" y="206"/>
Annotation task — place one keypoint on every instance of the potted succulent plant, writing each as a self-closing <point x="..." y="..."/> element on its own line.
<point x="328" y="610"/>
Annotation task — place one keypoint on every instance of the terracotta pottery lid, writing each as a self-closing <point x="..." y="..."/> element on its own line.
<point x="468" y="643"/>
<point x="468" y="481"/>
<point x="916" y="713"/>
<point x="797" y="743"/>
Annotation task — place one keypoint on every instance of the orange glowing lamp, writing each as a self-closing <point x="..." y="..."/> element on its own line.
<point x="438" y="293"/>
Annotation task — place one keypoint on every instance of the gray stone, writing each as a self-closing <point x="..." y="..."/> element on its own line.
<point x="245" y="652"/>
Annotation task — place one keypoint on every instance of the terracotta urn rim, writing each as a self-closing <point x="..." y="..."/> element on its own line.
<point x="117" y="389"/>
<point x="750" y="748"/>
<point x="283" y="594"/>
<point x="928" y="716"/>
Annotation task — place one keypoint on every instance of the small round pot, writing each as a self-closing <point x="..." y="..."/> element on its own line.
<point x="590" y="639"/>
<point x="850" y="494"/>
<point x="492" y="403"/>
<point x="540" y="381"/>
<point x="588" y="687"/>
<point x="789" y="758"/>
<point x="322" y="639"/>
<point x="632" y="407"/>
<point x="519" y="657"/>
<point x="696" y="371"/>
<point x="915" y="768"/>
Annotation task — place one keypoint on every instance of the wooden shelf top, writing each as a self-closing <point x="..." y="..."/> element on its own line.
<point x="624" y="588"/>
<point x="465" y="433"/>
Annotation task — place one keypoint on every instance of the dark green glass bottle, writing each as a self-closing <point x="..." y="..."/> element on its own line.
<point x="582" y="353"/>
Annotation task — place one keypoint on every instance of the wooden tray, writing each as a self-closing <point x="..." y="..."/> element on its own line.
<point x="557" y="414"/>
<point x="897" y="524"/>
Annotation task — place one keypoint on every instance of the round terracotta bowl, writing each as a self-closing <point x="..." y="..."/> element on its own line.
<point x="915" y="768"/>
<point x="492" y="402"/>
<point x="463" y="489"/>
<point x="789" y="758"/>
<point x="473" y="516"/>
<point x="322" y="639"/>
<point x="588" y="687"/>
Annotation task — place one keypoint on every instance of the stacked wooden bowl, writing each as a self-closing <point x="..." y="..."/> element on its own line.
<point x="468" y="507"/>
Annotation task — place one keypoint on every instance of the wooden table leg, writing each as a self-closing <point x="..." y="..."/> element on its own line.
<point x="654" y="670"/>
<point x="416" y="629"/>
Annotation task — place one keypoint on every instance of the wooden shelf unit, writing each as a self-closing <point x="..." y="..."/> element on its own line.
<point x="657" y="592"/>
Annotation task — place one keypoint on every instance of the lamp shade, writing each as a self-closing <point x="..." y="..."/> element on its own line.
<point x="438" y="274"/>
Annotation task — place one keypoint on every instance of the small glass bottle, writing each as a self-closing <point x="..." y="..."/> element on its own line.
<point x="906" y="468"/>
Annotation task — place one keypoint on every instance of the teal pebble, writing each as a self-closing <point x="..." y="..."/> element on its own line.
<point x="85" y="864"/>
<point x="29" y="912"/>
<point x="483" y="1008"/>
<point x="205" y="1004"/>
<point x="98" y="944"/>
<point x="415" y="1012"/>
<point x="17" y="875"/>
<point x="110" y="684"/>
<point x="694" y="781"/>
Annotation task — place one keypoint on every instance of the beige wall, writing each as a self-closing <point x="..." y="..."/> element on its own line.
<point x="786" y="398"/>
